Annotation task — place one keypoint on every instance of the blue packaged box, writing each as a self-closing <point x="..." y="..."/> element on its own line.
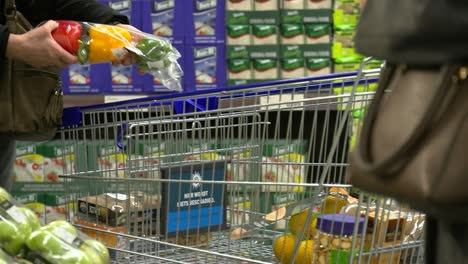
<point x="204" y="67"/>
<point x="164" y="18"/>
<point x="153" y="85"/>
<point x="83" y="79"/>
<point x="124" y="79"/>
<point x="204" y="20"/>
<point x="129" y="8"/>
<point x="193" y="208"/>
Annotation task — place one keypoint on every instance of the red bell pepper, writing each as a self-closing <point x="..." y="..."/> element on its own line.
<point x="67" y="35"/>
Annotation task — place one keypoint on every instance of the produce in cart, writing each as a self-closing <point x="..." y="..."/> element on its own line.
<point x="98" y="43"/>
<point x="60" y="242"/>
<point x="16" y="224"/>
<point x="7" y="259"/>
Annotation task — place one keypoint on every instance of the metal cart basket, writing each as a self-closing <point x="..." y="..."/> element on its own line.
<point x="246" y="174"/>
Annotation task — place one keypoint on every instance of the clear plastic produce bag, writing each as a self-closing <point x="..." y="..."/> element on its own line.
<point x="99" y="43"/>
<point x="16" y="224"/>
<point x="59" y="242"/>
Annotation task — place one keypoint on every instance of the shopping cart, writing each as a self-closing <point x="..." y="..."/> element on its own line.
<point x="246" y="174"/>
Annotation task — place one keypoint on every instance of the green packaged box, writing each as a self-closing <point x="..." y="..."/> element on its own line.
<point x="147" y="161"/>
<point x="237" y="52"/>
<point x="239" y="147"/>
<point x="252" y="52"/>
<point x="343" y="44"/>
<point x="238" y="35"/>
<point x="29" y="164"/>
<point x="353" y="64"/>
<point x="264" y="52"/>
<point x="237" y="5"/>
<point x="343" y="20"/>
<point x="318" y="66"/>
<point x="45" y="187"/>
<point x="306" y="4"/>
<point x="62" y="157"/>
<point x="292" y="68"/>
<point x="265" y="69"/>
<point x="106" y="159"/>
<point x="292" y="33"/>
<point x="306" y="16"/>
<point x="60" y="206"/>
<point x="283" y="163"/>
<point x="194" y="149"/>
<point x="275" y="148"/>
<point x="264" y="34"/>
<point x="317" y="33"/>
<point x="243" y="156"/>
<point x="305" y="51"/>
<point x="240" y="69"/>
<point x="252" y="18"/>
<point x="238" y="206"/>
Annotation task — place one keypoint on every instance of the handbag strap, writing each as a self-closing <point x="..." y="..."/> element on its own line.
<point x="11" y="15"/>
<point x="10" y="8"/>
<point x="397" y="160"/>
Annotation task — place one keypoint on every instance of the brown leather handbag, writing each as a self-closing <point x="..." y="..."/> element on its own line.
<point x="413" y="145"/>
<point x="31" y="100"/>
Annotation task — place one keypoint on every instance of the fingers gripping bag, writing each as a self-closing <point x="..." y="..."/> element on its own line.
<point x="60" y="242"/>
<point x="98" y="43"/>
<point x="16" y="224"/>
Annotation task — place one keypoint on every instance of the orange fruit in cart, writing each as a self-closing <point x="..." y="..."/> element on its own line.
<point x="297" y="222"/>
<point x="283" y="248"/>
<point x="333" y="203"/>
<point x="305" y="252"/>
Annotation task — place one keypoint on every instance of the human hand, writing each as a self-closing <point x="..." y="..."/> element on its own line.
<point x="38" y="48"/>
<point x="130" y="58"/>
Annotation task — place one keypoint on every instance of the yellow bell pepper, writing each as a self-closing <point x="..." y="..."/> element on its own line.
<point x="106" y="42"/>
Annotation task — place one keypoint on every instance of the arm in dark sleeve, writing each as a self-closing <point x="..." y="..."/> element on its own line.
<point x="87" y="10"/>
<point x="4" y="35"/>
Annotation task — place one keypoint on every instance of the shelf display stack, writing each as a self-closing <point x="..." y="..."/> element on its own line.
<point x="196" y="29"/>
<point x="277" y="39"/>
<point x="345" y="19"/>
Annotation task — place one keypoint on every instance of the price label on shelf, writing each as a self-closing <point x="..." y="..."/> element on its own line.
<point x="119" y="98"/>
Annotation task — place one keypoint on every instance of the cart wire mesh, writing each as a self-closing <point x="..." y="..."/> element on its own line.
<point x="223" y="175"/>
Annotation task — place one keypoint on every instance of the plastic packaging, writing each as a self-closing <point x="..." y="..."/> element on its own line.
<point x="98" y="43"/>
<point x="60" y="242"/>
<point x="6" y="259"/>
<point x="335" y="235"/>
<point x="16" y="224"/>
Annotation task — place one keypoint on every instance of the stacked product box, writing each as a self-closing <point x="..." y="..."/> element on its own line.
<point x="196" y="29"/>
<point x="204" y="66"/>
<point x="37" y="172"/>
<point x="45" y="161"/>
<point x="164" y="18"/>
<point x="252" y="5"/>
<point x="204" y="22"/>
<point x="204" y="47"/>
<point x="252" y="46"/>
<point x="49" y="201"/>
<point x="284" y="39"/>
<point x="345" y="19"/>
<point x="306" y="28"/>
<point x="83" y="79"/>
<point x="122" y="79"/>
